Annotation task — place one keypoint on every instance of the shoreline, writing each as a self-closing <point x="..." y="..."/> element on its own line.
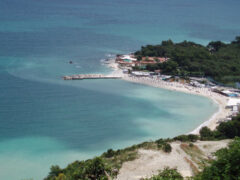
<point x="220" y="100"/>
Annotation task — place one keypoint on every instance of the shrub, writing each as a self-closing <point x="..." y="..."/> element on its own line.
<point x="182" y="138"/>
<point x="193" y="137"/>
<point x="167" y="174"/>
<point x="90" y="169"/>
<point x="191" y="145"/>
<point x="167" y="148"/>
<point x="109" y="153"/>
<point x="206" y="134"/>
<point x="54" y="171"/>
<point x="160" y="141"/>
<point x="185" y="138"/>
<point x="230" y="129"/>
<point x="94" y="169"/>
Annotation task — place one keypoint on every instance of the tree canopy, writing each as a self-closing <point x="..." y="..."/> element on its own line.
<point x="91" y="169"/>
<point x="217" y="60"/>
<point x="225" y="130"/>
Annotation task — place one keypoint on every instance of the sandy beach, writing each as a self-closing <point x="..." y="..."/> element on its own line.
<point x="221" y="100"/>
<point x="175" y="86"/>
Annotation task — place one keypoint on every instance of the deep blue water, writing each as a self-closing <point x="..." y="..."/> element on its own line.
<point x="46" y="121"/>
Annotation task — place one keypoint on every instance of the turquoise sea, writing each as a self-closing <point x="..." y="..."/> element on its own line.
<point x="45" y="120"/>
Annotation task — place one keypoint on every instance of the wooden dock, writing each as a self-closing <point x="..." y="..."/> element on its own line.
<point x="90" y="76"/>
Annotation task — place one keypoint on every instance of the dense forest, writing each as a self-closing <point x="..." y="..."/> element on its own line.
<point x="225" y="166"/>
<point x="218" y="60"/>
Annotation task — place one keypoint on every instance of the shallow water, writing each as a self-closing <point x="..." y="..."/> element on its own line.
<point x="45" y="120"/>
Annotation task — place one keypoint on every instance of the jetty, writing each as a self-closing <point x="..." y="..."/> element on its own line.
<point x="90" y="76"/>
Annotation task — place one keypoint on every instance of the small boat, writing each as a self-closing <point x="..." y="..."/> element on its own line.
<point x="70" y="62"/>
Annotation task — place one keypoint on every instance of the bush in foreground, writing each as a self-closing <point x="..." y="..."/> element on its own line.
<point x="167" y="148"/>
<point x="226" y="166"/>
<point x="88" y="170"/>
<point x="164" y="145"/>
<point x="167" y="174"/>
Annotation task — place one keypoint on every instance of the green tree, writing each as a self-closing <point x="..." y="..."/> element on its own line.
<point x="230" y="129"/>
<point x="221" y="63"/>
<point x="169" y="67"/>
<point x="215" y="45"/>
<point x="237" y="40"/>
<point x="109" y="153"/>
<point x="167" y="174"/>
<point x="192" y="137"/>
<point x="95" y="169"/>
<point x="55" y="171"/>
<point x="206" y="133"/>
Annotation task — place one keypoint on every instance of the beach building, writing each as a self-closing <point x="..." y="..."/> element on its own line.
<point x="125" y="71"/>
<point x="129" y="60"/>
<point x="141" y="73"/>
<point x="126" y="61"/>
<point x="150" y="61"/>
<point x="158" y="71"/>
<point x="126" y="58"/>
<point x="233" y="104"/>
<point x="143" y="64"/>
<point x="165" y="77"/>
<point x="226" y="92"/>
<point x="156" y="59"/>
<point x="230" y="93"/>
<point x="197" y="84"/>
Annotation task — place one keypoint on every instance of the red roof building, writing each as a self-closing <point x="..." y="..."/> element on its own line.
<point x="160" y="59"/>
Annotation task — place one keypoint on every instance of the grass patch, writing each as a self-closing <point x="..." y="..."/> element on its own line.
<point x="116" y="161"/>
<point x="115" y="158"/>
<point x="193" y="167"/>
<point x="197" y="156"/>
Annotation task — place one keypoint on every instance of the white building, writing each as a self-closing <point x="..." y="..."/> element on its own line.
<point x="128" y="58"/>
<point x="140" y="73"/>
<point x="233" y="103"/>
